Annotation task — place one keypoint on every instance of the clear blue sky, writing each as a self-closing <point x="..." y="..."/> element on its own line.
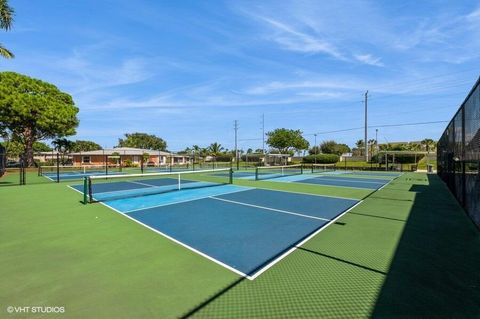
<point x="185" y="70"/>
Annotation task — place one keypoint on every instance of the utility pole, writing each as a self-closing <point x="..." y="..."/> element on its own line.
<point x="236" y="149"/>
<point x="315" y="148"/>
<point x="366" y="126"/>
<point x="263" y="133"/>
<point x="376" y="141"/>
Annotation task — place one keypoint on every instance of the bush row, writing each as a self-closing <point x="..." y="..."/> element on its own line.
<point x="321" y="158"/>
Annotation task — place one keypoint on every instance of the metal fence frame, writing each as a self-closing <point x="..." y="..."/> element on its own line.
<point x="458" y="154"/>
<point x="3" y="160"/>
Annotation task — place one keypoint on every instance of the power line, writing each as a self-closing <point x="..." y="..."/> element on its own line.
<point x="359" y="128"/>
<point x="376" y="126"/>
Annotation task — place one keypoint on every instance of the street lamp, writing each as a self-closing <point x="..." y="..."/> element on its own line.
<point x="315" y="148"/>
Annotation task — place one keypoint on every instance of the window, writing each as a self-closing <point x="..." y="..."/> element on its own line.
<point x="86" y="159"/>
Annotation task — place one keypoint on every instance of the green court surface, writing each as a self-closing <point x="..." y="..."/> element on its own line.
<point x="408" y="250"/>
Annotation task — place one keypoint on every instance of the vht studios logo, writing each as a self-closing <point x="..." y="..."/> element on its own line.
<point x="35" y="309"/>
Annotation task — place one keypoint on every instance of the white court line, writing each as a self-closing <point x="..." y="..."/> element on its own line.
<point x="328" y="185"/>
<point x="268" y="208"/>
<point x="346" y="180"/>
<point x="180" y="243"/>
<point x="48" y="177"/>
<point x="269" y="265"/>
<point x="291" y="250"/>
<point x="288" y="252"/>
<point x="302" y="193"/>
<point x="140" y="183"/>
<point x="189" y="200"/>
<point x="74" y="189"/>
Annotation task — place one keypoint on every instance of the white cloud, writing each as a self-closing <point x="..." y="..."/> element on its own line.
<point x="369" y="59"/>
<point x="291" y="39"/>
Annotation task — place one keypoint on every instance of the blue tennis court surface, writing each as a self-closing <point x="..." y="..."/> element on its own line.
<point x="338" y="180"/>
<point x="243" y="229"/>
<point x="374" y="173"/>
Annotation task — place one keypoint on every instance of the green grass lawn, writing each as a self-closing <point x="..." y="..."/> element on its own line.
<point x="422" y="164"/>
<point x="407" y="251"/>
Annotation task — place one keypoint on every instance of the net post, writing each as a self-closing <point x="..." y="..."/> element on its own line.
<point x="256" y="173"/>
<point x="106" y="164"/>
<point x="39" y="170"/>
<point x="230" y="177"/>
<point x="21" y="172"/>
<point x="58" y="168"/>
<point x="301" y="169"/>
<point x="85" y="190"/>
<point x="90" y="191"/>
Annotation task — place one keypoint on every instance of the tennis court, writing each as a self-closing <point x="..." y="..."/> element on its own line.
<point x="342" y="181"/>
<point x="327" y="176"/>
<point x="244" y="229"/>
<point x="57" y="173"/>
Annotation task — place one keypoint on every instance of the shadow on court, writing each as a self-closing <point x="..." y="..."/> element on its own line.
<point x="386" y="258"/>
<point x="435" y="270"/>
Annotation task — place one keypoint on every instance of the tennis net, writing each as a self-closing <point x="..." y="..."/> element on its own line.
<point x="50" y="171"/>
<point x="168" y="168"/>
<point x="323" y="168"/>
<point x="110" y="187"/>
<point x="268" y="172"/>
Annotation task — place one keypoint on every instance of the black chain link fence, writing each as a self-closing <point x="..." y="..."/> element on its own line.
<point x="458" y="154"/>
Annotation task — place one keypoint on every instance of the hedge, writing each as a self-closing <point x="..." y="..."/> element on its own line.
<point x="321" y="158"/>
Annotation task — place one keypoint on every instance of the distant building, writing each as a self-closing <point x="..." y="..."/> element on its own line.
<point x="115" y="156"/>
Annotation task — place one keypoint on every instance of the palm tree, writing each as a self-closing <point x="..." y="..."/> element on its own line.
<point x="371" y="147"/>
<point x="429" y="144"/>
<point x="215" y="149"/>
<point x="360" y="146"/>
<point x="63" y="146"/>
<point x="412" y="146"/>
<point x="6" y="19"/>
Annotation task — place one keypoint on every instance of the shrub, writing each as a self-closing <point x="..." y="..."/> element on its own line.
<point x="223" y="158"/>
<point x="252" y="157"/>
<point x="399" y="158"/>
<point x="321" y="158"/>
<point x="127" y="163"/>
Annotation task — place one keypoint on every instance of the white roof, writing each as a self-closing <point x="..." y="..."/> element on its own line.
<point x="125" y="151"/>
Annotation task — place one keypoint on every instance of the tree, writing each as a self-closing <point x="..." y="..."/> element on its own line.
<point x="332" y="147"/>
<point x="143" y="140"/>
<point x="315" y="150"/>
<point x="145" y="158"/>
<point x="32" y="110"/>
<point x="249" y="151"/>
<point x="328" y="147"/>
<point x="371" y="147"/>
<point x="85" y="146"/>
<point x="215" y="149"/>
<point x="428" y="144"/>
<point x="41" y="147"/>
<point x="286" y="140"/>
<point x="63" y="146"/>
<point x="342" y="149"/>
<point x="13" y="148"/>
<point x="360" y="144"/>
<point x="6" y="19"/>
